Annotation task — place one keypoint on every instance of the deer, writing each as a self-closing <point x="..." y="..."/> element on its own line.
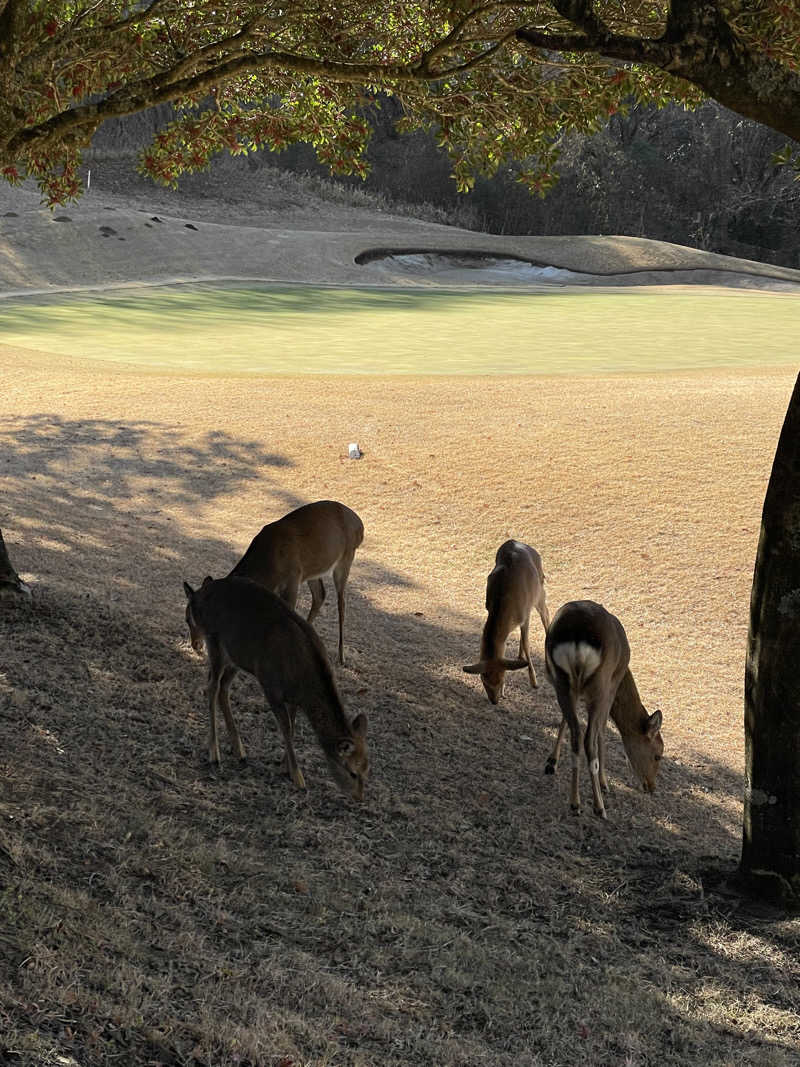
<point x="306" y="545"/>
<point x="12" y="586"/>
<point x="587" y="655"/>
<point x="513" y="589"/>
<point x="244" y="627"/>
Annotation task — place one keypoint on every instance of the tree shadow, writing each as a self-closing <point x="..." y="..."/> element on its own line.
<point x="181" y="303"/>
<point x="463" y="889"/>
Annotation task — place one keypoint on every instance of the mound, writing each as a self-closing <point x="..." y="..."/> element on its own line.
<point x="108" y="240"/>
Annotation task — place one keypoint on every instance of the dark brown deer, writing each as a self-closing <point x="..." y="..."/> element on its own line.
<point x="245" y="627"/>
<point x="304" y="546"/>
<point x="12" y="586"/>
<point x="587" y="655"/>
<point x="513" y="589"/>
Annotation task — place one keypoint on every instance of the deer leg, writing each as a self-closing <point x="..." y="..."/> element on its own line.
<point x="597" y="711"/>
<point x="228" y="674"/>
<point x="575" y="789"/>
<point x="340" y="575"/>
<point x="215" y="671"/>
<point x="288" y="592"/>
<point x="524" y="648"/>
<point x="286" y="723"/>
<point x="284" y="761"/>
<point x="317" y="598"/>
<point x="601" y="746"/>
<point x="552" y="759"/>
<point x="544" y="615"/>
<point x="568" y="702"/>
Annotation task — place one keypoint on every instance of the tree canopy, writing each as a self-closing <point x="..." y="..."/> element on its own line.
<point x="496" y="80"/>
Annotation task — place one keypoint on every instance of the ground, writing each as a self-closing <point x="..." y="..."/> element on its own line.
<point x="156" y="912"/>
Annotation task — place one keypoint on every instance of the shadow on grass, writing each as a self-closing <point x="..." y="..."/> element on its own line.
<point x="156" y="911"/>
<point x="180" y="304"/>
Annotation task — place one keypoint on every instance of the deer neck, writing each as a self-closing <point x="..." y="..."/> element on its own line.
<point x="493" y="638"/>
<point x="324" y="710"/>
<point x="627" y="712"/>
<point x="258" y="561"/>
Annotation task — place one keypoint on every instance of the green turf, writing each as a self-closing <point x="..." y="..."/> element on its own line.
<point x="303" y="329"/>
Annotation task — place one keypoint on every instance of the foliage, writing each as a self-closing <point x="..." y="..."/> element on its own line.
<point x="494" y="79"/>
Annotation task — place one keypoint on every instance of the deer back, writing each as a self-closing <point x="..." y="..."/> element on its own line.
<point x="304" y="544"/>
<point x="585" y="640"/>
<point x="513" y="587"/>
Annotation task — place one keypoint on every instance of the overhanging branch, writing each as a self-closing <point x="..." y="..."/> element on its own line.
<point x="611" y="45"/>
<point x="162" y="88"/>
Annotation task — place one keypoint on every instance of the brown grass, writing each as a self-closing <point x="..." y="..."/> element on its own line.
<point x="156" y="913"/>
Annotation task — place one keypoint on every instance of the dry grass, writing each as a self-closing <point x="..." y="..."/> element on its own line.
<point x="155" y="913"/>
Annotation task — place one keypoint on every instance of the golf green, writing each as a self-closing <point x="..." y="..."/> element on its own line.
<point x="269" y="329"/>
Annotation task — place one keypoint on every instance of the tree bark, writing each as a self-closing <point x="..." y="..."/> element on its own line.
<point x="11" y="585"/>
<point x="698" y="46"/>
<point x="771" y="834"/>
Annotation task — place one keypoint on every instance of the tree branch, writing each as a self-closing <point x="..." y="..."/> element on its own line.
<point x="83" y="120"/>
<point x="698" y="46"/>
<point x="611" y="45"/>
<point x="11" y="14"/>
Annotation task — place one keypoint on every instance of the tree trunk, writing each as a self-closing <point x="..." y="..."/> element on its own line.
<point x="771" y="838"/>
<point x="11" y="585"/>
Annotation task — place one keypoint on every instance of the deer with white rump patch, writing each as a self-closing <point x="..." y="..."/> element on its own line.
<point x="247" y="628"/>
<point x="306" y="545"/>
<point x="587" y="655"/>
<point x="513" y="589"/>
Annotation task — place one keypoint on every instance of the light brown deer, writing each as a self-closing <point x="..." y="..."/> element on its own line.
<point x="513" y="589"/>
<point x="304" y="546"/>
<point x="587" y="655"/>
<point x="245" y="627"/>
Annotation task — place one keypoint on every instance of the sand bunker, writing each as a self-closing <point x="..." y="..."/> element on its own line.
<point x="106" y="241"/>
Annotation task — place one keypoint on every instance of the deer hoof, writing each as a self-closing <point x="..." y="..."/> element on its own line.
<point x="575" y="809"/>
<point x="550" y="766"/>
<point x="601" y="813"/>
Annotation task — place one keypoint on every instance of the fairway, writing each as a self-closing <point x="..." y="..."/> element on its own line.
<point x="269" y="329"/>
<point x="461" y="916"/>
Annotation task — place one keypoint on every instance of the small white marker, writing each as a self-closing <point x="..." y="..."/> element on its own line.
<point x="353" y="451"/>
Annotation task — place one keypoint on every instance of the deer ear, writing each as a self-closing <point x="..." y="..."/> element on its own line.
<point x="188" y="590"/>
<point x="359" y="725"/>
<point x="653" y="724"/>
<point x="513" y="664"/>
<point x="207" y="581"/>
<point x="475" y="668"/>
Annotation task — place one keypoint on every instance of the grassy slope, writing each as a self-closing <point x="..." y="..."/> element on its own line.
<point x="296" y="330"/>
<point x="155" y="913"/>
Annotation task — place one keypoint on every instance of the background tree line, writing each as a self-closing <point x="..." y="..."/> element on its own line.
<point x="705" y="178"/>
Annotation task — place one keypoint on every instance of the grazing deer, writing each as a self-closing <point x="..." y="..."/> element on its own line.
<point x="587" y="655"/>
<point x="12" y="586"/>
<point x="245" y="627"/>
<point x="514" y="587"/>
<point x="313" y="541"/>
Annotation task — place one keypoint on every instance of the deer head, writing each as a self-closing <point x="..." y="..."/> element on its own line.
<point x="348" y="761"/>
<point x="493" y="673"/>
<point x="644" y="749"/>
<point x="196" y="634"/>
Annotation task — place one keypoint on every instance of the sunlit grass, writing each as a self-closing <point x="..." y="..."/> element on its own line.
<point x="267" y="330"/>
